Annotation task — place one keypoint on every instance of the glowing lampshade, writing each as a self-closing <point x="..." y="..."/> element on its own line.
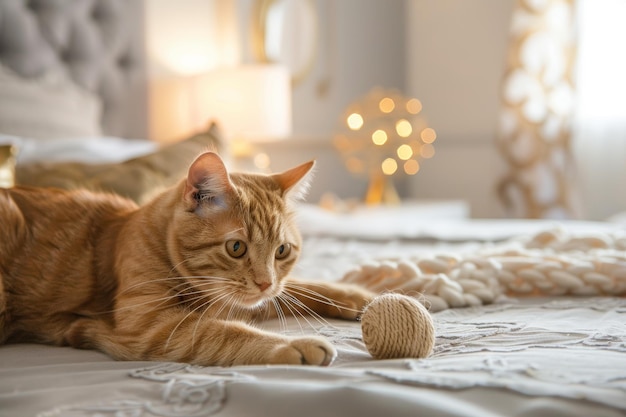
<point x="251" y="103"/>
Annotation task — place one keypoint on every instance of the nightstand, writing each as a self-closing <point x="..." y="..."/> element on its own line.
<point x="419" y="210"/>
<point x="406" y="219"/>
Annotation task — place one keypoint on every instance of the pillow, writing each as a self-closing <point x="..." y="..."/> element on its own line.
<point x="47" y="107"/>
<point x="138" y="179"/>
<point x="96" y="150"/>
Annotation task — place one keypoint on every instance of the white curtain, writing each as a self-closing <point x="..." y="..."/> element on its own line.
<point x="599" y="135"/>
<point x="534" y="134"/>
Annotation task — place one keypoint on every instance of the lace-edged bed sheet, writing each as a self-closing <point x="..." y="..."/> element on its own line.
<point x="558" y="350"/>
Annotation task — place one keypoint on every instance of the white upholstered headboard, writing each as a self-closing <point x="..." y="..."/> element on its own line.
<point x="99" y="42"/>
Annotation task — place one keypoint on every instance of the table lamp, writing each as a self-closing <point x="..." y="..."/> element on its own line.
<point x="251" y="104"/>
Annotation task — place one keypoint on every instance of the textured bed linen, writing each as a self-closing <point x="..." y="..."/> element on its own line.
<point x="518" y="357"/>
<point x="537" y="357"/>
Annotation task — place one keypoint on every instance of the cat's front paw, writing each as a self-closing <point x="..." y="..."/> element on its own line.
<point x="346" y="301"/>
<point x="329" y="299"/>
<point x="305" y="351"/>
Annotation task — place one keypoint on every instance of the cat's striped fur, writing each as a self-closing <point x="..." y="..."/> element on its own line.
<point x="173" y="280"/>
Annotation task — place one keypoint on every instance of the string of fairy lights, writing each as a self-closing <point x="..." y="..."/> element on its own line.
<point x="384" y="133"/>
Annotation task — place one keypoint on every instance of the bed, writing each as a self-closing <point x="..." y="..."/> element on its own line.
<point x="530" y="316"/>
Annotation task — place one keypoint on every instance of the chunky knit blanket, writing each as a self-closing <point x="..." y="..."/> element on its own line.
<point x="549" y="263"/>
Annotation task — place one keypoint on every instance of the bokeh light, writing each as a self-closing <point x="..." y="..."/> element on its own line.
<point x="386" y="105"/>
<point x="384" y="134"/>
<point x="379" y="137"/>
<point x="411" y="167"/>
<point x="389" y="166"/>
<point x="428" y="135"/>
<point x="355" y="121"/>
<point x="404" y="152"/>
<point x="262" y="161"/>
<point x="414" y="106"/>
<point x="404" y="128"/>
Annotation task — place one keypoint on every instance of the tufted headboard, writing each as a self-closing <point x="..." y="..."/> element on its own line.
<point x="99" y="42"/>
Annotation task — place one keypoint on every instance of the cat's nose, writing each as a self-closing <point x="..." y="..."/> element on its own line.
<point x="263" y="285"/>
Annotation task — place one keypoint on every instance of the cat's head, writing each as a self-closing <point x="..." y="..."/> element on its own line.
<point x="235" y="236"/>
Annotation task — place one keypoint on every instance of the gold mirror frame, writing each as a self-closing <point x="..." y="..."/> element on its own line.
<point x="288" y="13"/>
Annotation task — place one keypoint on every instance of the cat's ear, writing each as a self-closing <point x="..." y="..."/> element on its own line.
<point x="296" y="181"/>
<point x="207" y="183"/>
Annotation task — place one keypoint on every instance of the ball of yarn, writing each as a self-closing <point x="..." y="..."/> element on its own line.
<point x="397" y="326"/>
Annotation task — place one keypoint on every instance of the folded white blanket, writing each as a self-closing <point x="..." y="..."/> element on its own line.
<point x="549" y="263"/>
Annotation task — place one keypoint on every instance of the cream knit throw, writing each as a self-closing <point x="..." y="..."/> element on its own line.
<point x="549" y="263"/>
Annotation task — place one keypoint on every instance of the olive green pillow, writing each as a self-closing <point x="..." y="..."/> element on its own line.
<point x="138" y="179"/>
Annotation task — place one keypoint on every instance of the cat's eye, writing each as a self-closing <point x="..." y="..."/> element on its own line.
<point x="283" y="251"/>
<point x="236" y="248"/>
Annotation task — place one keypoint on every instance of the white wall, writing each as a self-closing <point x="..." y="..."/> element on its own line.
<point x="456" y="60"/>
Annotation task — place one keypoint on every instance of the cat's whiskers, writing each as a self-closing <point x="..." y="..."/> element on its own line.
<point x="173" y="278"/>
<point x="205" y="306"/>
<point x="293" y="311"/>
<point x="224" y="304"/>
<point x="205" y="278"/>
<point x="234" y="309"/>
<point x="282" y="319"/>
<point x="174" y="267"/>
<point x="195" y="289"/>
<point x="264" y="312"/>
<point x="162" y="301"/>
<point x="231" y="302"/>
<point x="222" y="293"/>
<point x="204" y="297"/>
<point x="299" y="305"/>
<point x="315" y="296"/>
<point x="198" y="295"/>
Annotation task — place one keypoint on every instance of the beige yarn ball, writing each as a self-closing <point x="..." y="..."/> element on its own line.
<point x="397" y="326"/>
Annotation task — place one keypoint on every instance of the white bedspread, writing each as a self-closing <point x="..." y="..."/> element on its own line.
<point x="519" y="357"/>
<point x="514" y="359"/>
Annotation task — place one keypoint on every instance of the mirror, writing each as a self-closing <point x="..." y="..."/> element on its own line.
<point x="285" y="32"/>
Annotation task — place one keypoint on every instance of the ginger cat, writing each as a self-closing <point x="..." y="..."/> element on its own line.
<point x="173" y="280"/>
